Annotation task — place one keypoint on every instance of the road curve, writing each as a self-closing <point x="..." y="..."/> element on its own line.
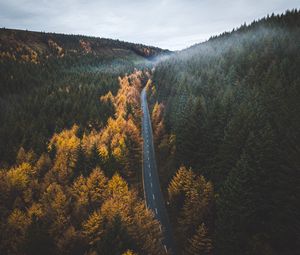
<point x="152" y="191"/>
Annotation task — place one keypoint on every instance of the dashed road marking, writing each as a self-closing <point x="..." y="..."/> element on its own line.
<point x="166" y="249"/>
<point x="147" y="134"/>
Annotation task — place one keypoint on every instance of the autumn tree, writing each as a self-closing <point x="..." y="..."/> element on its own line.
<point x="124" y="218"/>
<point x="199" y="243"/>
<point x="13" y="236"/>
<point x="158" y="122"/>
<point x="56" y="205"/>
<point x="191" y="199"/>
<point x="66" y="145"/>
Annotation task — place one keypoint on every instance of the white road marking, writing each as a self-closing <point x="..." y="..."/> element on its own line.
<point x="146" y="125"/>
<point x="166" y="249"/>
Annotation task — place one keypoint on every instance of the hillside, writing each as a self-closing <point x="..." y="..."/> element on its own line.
<point x="38" y="46"/>
<point x="51" y="81"/>
<point x="70" y="151"/>
<point x="225" y="119"/>
<point x="229" y="109"/>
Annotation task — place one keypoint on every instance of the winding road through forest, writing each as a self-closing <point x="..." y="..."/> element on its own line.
<point x="152" y="190"/>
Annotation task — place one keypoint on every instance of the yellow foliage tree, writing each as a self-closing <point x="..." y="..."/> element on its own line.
<point x="93" y="228"/>
<point x="191" y="199"/>
<point x="129" y="252"/>
<point x="56" y="204"/>
<point x="19" y="177"/>
<point x="15" y="232"/>
<point x="200" y="243"/>
<point x="66" y="144"/>
<point x="97" y="187"/>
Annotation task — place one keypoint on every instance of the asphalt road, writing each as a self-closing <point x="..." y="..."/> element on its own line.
<point x="152" y="190"/>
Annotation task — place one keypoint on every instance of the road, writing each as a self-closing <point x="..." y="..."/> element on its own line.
<point x="152" y="190"/>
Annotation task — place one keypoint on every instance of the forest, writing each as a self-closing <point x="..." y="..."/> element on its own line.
<point x="82" y="195"/>
<point x="51" y="81"/>
<point x="226" y="120"/>
<point x="225" y="116"/>
<point x="71" y="147"/>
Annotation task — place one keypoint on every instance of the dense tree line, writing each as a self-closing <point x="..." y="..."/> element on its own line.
<point x="231" y="112"/>
<point x="38" y="99"/>
<point x="37" y="46"/>
<point x="50" y="81"/>
<point x="74" y="198"/>
<point x="226" y="126"/>
<point x="71" y="147"/>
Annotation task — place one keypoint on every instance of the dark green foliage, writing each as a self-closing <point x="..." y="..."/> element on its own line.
<point x="233" y="104"/>
<point x="81" y="167"/>
<point x="38" y="239"/>
<point x="45" y="92"/>
<point x="117" y="240"/>
<point x="95" y="159"/>
<point x="260" y="192"/>
<point x="53" y="98"/>
<point x="54" y="196"/>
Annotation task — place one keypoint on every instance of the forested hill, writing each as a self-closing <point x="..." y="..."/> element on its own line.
<point x="49" y="82"/>
<point x="226" y="126"/>
<point x="36" y="46"/>
<point x="70" y="150"/>
<point x="231" y="110"/>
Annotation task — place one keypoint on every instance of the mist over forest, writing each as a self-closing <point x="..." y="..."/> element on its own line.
<point x="225" y="121"/>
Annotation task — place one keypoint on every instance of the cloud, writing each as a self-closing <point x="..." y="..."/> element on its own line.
<point x="173" y="24"/>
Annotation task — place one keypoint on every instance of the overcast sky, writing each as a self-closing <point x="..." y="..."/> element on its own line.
<point x="172" y="24"/>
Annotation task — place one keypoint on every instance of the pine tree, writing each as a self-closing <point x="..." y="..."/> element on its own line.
<point x="246" y="196"/>
<point x="191" y="199"/>
<point x="80" y="167"/>
<point x="200" y="243"/>
<point x="38" y="239"/>
<point x="95" y="159"/>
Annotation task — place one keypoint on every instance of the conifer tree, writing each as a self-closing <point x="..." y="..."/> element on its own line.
<point x="200" y="243"/>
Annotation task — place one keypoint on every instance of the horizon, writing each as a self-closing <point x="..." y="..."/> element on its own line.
<point x="175" y="26"/>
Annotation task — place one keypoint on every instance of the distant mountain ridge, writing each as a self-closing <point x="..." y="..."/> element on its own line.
<point x="34" y="47"/>
<point x="280" y="21"/>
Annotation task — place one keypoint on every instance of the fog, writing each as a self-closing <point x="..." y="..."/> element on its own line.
<point x="169" y="24"/>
